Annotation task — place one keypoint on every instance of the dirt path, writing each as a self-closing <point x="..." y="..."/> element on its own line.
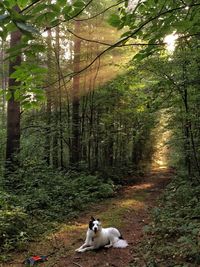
<point x="129" y="212"/>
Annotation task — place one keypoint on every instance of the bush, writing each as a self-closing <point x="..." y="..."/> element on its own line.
<point x="53" y="194"/>
<point x="174" y="235"/>
<point x="121" y="176"/>
<point x="44" y="195"/>
<point x="13" y="224"/>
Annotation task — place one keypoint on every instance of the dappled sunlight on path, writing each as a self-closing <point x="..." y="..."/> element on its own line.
<point x="128" y="211"/>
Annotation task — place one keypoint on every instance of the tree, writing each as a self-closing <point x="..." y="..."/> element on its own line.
<point x="13" y="108"/>
<point x="75" y="148"/>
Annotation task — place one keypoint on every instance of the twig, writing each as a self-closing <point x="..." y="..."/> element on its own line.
<point x="77" y="264"/>
<point x="69" y="18"/>
<point x="29" y="6"/>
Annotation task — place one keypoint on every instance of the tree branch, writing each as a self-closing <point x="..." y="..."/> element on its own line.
<point x="70" y="18"/>
<point x="29" y="6"/>
<point x="110" y="45"/>
<point x="125" y="39"/>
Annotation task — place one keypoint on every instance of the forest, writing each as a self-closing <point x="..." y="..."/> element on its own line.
<point x="95" y="97"/>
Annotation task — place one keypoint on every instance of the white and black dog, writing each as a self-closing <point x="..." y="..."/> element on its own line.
<point x="97" y="237"/>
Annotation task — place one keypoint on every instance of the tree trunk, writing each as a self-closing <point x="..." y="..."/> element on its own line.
<point x="47" y="156"/>
<point x="13" y="107"/>
<point x="75" y="148"/>
<point x="3" y="82"/>
<point x="110" y="145"/>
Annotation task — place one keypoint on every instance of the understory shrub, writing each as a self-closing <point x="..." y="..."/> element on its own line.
<point x="13" y="223"/>
<point x="122" y="176"/>
<point x="44" y="195"/>
<point x="53" y="194"/>
<point x="173" y="237"/>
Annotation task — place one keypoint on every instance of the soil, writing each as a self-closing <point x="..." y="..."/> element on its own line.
<point x="129" y="211"/>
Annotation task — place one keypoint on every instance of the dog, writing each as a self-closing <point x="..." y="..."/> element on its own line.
<point x="97" y="237"/>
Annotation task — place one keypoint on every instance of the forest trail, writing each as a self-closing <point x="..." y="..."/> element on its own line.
<point x="129" y="211"/>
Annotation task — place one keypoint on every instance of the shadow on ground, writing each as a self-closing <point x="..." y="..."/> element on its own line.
<point x="129" y="211"/>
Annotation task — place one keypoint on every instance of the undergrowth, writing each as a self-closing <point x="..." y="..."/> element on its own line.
<point x="173" y="237"/>
<point x="41" y="200"/>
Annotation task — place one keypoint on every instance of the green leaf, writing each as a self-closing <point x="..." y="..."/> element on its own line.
<point x="17" y="94"/>
<point x="16" y="16"/>
<point x="39" y="8"/>
<point x="26" y="105"/>
<point x="79" y="4"/>
<point x="8" y="95"/>
<point x="2" y="91"/>
<point x="3" y="17"/>
<point x="62" y="2"/>
<point x="139" y="56"/>
<point x="183" y="25"/>
<point x="54" y="22"/>
<point x="10" y="3"/>
<point x="10" y="27"/>
<point x="66" y="12"/>
<point x="45" y="18"/>
<point x="55" y="8"/>
<point x="22" y="3"/>
<point x="3" y="33"/>
<point x="40" y="97"/>
<point x="114" y="20"/>
<point x="26" y="27"/>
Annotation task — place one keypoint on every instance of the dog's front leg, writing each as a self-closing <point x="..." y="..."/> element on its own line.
<point x="85" y="249"/>
<point x="81" y="247"/>
<point x="86" y="244"/>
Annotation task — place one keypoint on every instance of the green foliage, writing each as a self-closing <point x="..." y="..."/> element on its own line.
<point x="41" y="15"/>
<point x="44" y="192"/>
<point x="173" y="236"/>
<point x="114" y="20"/>
<point x="30" y="91"/>
<point x="26" y="28"/>
<point x="152" y="20"/>
<point x="43" y="195"/>
<point x="125" y="119"/>
<point x="13" y="223"/>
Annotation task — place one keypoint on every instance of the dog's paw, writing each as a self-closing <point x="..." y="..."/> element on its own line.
<point x="79" y="250"/>
<point x="108" y="246"/>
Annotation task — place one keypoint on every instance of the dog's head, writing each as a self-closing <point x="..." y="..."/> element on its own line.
<point x="95" y="225"/>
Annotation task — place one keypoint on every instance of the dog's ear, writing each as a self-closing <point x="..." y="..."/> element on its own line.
<point x="92" y="218"/>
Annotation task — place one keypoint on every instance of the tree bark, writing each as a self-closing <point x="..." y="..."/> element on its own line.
<point x="75" y="148"/>
<point x="47" y="156"/>
<point x="13" y="107"/>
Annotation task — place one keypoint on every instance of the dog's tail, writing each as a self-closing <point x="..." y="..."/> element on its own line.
<point x="120" y="243"/>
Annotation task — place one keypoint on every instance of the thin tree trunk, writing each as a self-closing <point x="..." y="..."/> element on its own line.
<point x="3" y="82"/>
<point x="47" y="156"/>
<point x="96" y="142"/>
<point x="75" y="153"/>
<point x="60" y="94"/>
<point x="110" y="145"/>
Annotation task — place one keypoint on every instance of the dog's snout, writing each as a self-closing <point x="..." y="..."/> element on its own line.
<point x="95" y="229"/>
